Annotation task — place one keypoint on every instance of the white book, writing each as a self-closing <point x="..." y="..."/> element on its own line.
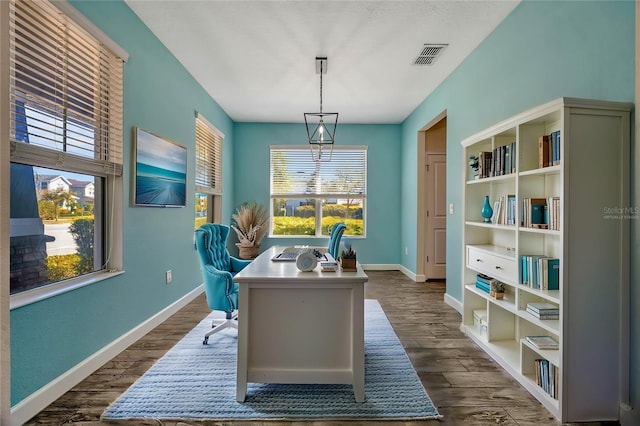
<point x="543" y="342"/>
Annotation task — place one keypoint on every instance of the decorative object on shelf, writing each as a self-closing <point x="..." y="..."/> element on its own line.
<point x="321" y="126"/>
<point x="348" y="258"/>
<point x="486" y="211"/>
<point x="307" y="261"/>
<point x="497" y="289"/>
<point x="474" y="163"/>
<point x="251" y="223"/>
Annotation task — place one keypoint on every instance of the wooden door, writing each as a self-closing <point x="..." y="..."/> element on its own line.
<point x="436" y="223"/>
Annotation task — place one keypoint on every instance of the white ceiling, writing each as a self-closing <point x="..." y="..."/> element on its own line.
<point x="257" y="58"/>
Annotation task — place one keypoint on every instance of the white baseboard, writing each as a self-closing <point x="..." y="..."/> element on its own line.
<point x="453" y="302"/>
<point x="380" y="266"/>
<point x="629" y="416"/>
<point x="43" y="397"/>
<point x="408" y="273"/>
<point x="395" y="267"/>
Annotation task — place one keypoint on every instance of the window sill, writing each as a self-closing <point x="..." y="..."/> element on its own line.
<point x="37" y="294"/>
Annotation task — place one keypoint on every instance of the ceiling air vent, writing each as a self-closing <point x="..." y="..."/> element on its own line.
<point x="429" y="54"/>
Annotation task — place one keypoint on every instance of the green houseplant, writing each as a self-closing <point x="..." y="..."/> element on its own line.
<point x="251" y="223"/>
<point x="348" y="258"/>
<point x="497" y="289"/>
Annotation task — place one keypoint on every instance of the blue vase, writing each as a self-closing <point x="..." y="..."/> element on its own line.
<point x="486" y="211"/>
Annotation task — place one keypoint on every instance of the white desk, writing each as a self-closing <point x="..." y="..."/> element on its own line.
<point x="299" y="327"/>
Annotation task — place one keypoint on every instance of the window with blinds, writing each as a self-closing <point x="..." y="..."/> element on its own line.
<point x="66" y="94"/>
<point x="66" y="148"/>
<point x="308" y="197"/>
<point x="208" y="173"/>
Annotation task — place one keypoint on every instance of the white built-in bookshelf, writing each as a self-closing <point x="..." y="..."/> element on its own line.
<point x="587" y="230"/>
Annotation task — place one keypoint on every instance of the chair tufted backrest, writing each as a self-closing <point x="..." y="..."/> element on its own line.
<point x="211" y="240"/>
<point x="334" y="240"/>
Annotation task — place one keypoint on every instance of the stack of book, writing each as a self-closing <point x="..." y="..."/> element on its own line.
<point x="329" y="264"/>
<point x="483" y="282"/>
<point x="540" y="272"/>
<point x="543" y="342"/>
<point x="547" y="377"/>
<point x="543" y="310"/>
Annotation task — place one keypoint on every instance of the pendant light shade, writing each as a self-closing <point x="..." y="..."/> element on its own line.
<point x="321" y="126"/>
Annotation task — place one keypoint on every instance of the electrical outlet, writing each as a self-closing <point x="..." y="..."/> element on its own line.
<point x="406" y="251"/>
<point x="168" y="276"/>
<point x="451" y="208"/>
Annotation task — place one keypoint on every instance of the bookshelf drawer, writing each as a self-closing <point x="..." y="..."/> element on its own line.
<point x="490" y="264"/>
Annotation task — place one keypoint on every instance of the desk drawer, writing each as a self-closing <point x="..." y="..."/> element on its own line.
<point x="491" y="264"/>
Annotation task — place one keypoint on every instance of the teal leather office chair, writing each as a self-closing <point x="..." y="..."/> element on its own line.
<point x="218" y="269"/>
<point x="334" y="240"/>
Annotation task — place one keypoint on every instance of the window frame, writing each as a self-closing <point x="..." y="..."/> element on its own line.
<point x="320" y="197"/>
<point x="106" y="166"/>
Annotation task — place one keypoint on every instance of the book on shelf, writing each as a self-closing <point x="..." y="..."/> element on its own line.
<point x="504" y="212"/>
<point x="496" y="211"/>
<point x="542" y="342"/>
<point x="542" y="307"/>
<point x="540" y="272"/>
<point x="552" y="213"/>
<point x="547" y="376"/>
<point x="549" y="149"/>
<point x="543" y="316"/>
<point x="533" y="213"/>
<point x="543" y="151"/>
<point x="541" y="213"/>
<point x="484" y="164"/>
<point x="555" y="148"/>
<point x="500" y="161"/>
<point x="543" y="310"/>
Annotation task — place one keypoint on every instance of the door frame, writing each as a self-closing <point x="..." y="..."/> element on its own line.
<point x="421" y="218"/>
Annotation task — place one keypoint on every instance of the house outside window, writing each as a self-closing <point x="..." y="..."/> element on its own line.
<point x="66" y="150"/>
<point x="208" y="173"/>
<point x="308" y="197"/>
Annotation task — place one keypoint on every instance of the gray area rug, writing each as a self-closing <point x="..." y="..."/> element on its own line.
<point x="197" y="382"/>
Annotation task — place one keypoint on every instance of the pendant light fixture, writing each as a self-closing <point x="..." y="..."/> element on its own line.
<point x="321" y="126"/>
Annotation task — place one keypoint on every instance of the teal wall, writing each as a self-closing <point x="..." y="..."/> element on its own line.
<point x="251" y="179"/>
<point x="52" y="336"/>
<point x="543" y="50"/>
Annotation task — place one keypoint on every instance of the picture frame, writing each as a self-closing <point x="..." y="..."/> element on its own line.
<point x="159" y="171"/>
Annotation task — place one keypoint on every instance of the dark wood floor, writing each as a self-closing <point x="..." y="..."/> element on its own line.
<point x="464" y="383"/>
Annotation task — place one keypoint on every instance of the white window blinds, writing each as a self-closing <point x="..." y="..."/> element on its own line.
<point x="66" y="93"/>
<point x="208" y="157"/>
<point x="294" y="173"/>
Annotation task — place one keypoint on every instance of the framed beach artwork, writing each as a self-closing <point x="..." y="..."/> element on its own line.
<point x="160" y="171"/>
